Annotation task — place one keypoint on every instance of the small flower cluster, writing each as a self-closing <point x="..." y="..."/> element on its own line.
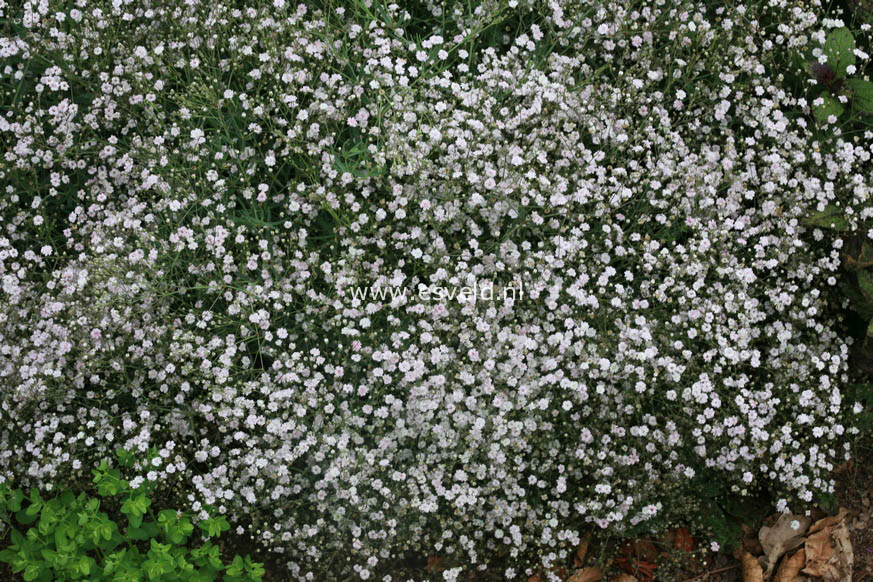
<point x="192" y="189"/>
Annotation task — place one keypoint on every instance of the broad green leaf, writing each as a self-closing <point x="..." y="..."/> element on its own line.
<point x="125" y="458"/>
<point x="862" y="96"/>
<point x="25" y="518"/>
<point x="14" y="500"/>
<point x="865" y="283"/>
<point x="829" y="106"/>
<point x="839" y="47"/>
<point x="18" y="540"/>
<point x="865" y="257"/>
<point x="36" y="503"/>
<point x="831" y="217"/>
<point x="146" y="531"/>
<point x="61" y="540"/>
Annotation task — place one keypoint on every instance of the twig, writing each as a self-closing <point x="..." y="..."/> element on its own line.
<point x="716" y="571"/>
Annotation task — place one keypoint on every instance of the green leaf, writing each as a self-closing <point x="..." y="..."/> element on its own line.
<point x="236" y="567"/>
<point x="25" y="518"/>
<point x="61" y="540"/>
<point x="152" y="568"/>
<point x="105" y="530"/>
<point x="865" y="283"/>
<point x="134" y="520"/>
<point x="36" y="503"/>
<point x="157" y="548"/>
<point x="136" y="505"/>
<point x="145" y="531"/>
<point x="829" y="106"/>
<point x="7" y="556"/>
<point x="32" y="571"/>
<point x="67" y="498"/>
<point x="18" y="540"/>
<point x="14" y="500"/>
<point x="255" y="570"/>
<point x="214" y="525"/>
<point x="862" y="96"/>
<point x="125" y="458"/>
<point x="100" y="471"/>
<point x="208" y="553"/>
<point x="828" y="502"/>
<point x="831" y="217"/>
<point x="839" y="47"/>
<point x="84" y="565"/>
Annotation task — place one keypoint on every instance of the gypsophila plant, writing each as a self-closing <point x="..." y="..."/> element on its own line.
<point x="232" y="236"/>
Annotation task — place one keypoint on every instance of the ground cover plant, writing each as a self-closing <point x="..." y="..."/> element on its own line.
<point x="72" y="539"/>
<point x="376" y="281"/>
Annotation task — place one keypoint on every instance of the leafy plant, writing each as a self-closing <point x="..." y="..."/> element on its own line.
<point x="833" y="77"/>
<point x="70" y="538"/>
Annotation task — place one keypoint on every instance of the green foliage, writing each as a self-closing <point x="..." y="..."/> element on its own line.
<point x="863" y="393"/>
<point x="715" y="511"/>
<point x="839" y="47"/>
<point x="828" y="106"/>
<point x="831" y="217"/>
<point x="723" y="527"/>
<point x="838" y="91"/>
<point x="862" y="92"/>
<point x="70" y="538"/>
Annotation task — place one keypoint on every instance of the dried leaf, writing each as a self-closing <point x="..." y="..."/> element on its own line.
<point x="752" y="571"/>
<point x="828" y="550"/>
<point x="829" y="520"/>
<point x="751" y="545"/>
<point x="645" y="570"/>
<point x="819" y="552"/>
<point x="791" y="567"/>
<point x="435" y="564"/>
<point x="667" y="538"/>
<point x="781" y="538"/>
<point x="625" y="578"/>
<point x="683" y="540"/>
<point x="582" y="551"/>
<point x="645" y="550"/>
<point x="590" y="574"/>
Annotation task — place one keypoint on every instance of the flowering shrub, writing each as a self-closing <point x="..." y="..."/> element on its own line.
<point x="197" y="192"/>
